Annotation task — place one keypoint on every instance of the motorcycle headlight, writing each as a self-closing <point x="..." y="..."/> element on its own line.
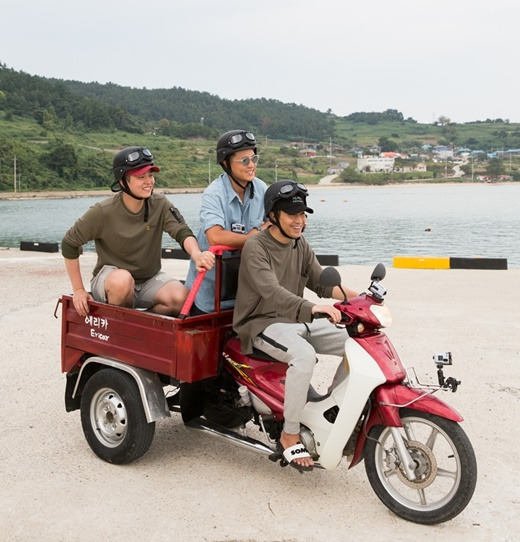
<point x="382" y="313"/>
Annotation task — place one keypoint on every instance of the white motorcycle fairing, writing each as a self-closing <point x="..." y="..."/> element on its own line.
<point x="350" y="396"/>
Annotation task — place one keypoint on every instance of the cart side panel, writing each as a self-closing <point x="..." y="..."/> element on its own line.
<point x="186" y="349"/>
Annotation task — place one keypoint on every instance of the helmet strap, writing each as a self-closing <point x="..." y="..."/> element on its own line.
<point x="227" y="169"/>
<point x="276" y="222"/>
<point x="126" y="189"/>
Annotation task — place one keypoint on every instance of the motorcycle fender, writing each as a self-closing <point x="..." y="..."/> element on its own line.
<point x="389" y="399"/>
<point x="150" y="389"/>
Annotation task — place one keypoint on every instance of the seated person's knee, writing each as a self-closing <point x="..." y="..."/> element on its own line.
<point x="171" y="297"/>
<point x="119" y="287"/>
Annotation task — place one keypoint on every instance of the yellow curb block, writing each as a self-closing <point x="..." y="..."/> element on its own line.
<point x="422" y="262"/>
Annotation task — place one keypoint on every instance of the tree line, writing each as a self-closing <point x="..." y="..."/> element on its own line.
<point x="176" y="112"/>
<point x="52" y="104"/>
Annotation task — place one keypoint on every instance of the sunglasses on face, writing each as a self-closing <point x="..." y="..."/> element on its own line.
<point x="137" y="155"/>
<point x="288" y="190"/>
<point x="238" y="138"/>
<point x="245" y="161"/>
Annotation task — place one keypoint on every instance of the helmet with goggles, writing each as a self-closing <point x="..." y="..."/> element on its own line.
<point x="137" y="160"/>
<point x="234" y="141"/>
<point x="288" y="196"/>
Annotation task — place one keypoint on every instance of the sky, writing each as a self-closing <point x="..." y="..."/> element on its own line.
<point x="452" y="58"/>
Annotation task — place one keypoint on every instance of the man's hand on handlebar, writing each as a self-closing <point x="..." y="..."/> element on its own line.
<point x="332" y="314"/>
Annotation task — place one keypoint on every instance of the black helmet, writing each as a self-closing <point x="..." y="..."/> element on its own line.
<point x="234" y="141"/>
<point x="286" y="195"/>
<point x="128" y="159"/>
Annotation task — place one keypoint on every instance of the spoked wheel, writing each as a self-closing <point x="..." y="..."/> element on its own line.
<point x="444" y="465"/>
<point x="113" y="418"/>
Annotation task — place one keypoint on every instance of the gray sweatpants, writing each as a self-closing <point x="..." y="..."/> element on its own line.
<point x="297" y="345"/>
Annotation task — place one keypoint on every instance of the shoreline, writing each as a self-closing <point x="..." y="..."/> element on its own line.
<point x="70" y="194"/>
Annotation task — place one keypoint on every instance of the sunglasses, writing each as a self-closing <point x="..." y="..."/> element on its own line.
<point x="137" y="155"/>
<point x="245" y="161"/>
<point x="238" y="138"/>
<point x="288" y="190"/>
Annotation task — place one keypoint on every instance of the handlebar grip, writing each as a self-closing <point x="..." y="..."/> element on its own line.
<point x="192" y="295"/>
<point x="215" y="249"/>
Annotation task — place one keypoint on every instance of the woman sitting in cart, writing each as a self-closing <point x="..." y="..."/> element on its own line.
<point x="127" y="230"/>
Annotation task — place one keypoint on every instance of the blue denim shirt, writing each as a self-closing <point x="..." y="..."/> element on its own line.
<point x="221" y="206"/>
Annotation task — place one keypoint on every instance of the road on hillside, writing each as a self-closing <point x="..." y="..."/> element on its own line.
<point x="327" y="179"/>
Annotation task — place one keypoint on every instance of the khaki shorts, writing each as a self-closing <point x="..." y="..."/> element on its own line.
<point x="143" y="293"/>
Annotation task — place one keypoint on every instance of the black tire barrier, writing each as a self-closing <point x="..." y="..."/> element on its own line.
<point x="478" y="263"/>
<point x="176" y="253"/>
<point x="328" y="259"/>
<point x="39" y="247"/>
<point x="179" y="254"/>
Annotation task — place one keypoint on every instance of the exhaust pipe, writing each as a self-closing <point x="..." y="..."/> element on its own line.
<point x="224" y="433"/>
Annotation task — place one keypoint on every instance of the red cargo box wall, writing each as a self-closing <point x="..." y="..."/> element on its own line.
<point x="187" y="349"/>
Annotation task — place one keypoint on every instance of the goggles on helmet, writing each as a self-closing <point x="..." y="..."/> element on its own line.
<point x="136" y="156"/>
<point x="236" y="140"/>
<point x="287" y="190"/>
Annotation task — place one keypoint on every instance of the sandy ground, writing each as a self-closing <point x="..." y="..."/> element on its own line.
<point x="192" y="487"/>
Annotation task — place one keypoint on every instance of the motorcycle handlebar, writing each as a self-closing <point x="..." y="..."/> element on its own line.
<point x="317" y="315"/>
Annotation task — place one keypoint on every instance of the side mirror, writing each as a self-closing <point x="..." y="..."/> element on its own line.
<point x="379" y="272"/>
<point x="330" y="277"/>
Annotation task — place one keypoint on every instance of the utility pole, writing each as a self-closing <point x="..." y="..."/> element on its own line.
<point x="15" y="173"/>
<point x="209" y="170"/>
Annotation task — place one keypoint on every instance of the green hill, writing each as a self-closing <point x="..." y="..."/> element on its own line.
<point x="64" y="133"/>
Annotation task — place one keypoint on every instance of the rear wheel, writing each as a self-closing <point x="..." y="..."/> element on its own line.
<point x="113" y="418"/>
<point x="445" y="468"/>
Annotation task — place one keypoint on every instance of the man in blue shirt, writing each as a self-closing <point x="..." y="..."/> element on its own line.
<point x="232" y="208"/>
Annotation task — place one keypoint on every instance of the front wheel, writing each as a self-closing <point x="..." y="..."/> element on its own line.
<point x="445" y="468"/>
<point x="113" y="418"/>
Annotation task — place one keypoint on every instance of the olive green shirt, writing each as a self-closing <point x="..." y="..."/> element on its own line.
<point x="123" y="239"/>
<point x="271" y="282"/>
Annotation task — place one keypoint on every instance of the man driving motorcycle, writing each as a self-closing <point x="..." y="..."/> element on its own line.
<point x="272" y="315"/>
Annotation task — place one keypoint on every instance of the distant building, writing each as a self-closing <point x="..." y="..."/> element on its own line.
<point x="421" y="166"/>
<point x="407" y="168"/>
<point x="373" y="164"/>
<point x="442" y="152"/>
<point x="336" y="170"/>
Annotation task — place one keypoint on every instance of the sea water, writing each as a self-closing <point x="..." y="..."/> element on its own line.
<point x="362" y="225"/>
